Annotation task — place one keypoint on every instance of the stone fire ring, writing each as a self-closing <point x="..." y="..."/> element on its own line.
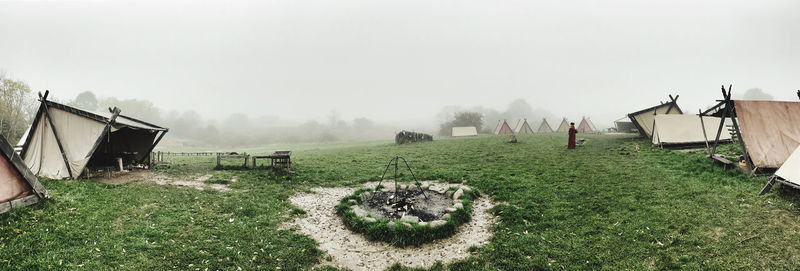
<point x="407" y="216"/>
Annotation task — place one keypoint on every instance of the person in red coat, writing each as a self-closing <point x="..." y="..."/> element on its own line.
<point x="572" y="132"/>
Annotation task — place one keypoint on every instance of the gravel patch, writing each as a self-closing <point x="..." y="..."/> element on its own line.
<point x="352" y="251"/>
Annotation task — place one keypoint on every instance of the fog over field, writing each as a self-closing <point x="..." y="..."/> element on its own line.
<point x="400" y="64"/>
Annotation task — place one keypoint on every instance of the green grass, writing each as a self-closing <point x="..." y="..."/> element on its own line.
<point x="601" y="206"/>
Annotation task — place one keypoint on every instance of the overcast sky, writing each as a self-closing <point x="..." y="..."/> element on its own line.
<point x="403" y="60"/>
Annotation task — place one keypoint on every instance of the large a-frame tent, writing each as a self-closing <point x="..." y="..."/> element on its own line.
<point x="503" y="128"/>
<point x="643" y="119"/>
<point x="586" y="126"/>
<point x="686" y="130"/>
<point x="563" y="127"/>
<point x="544" y="127"/>
<point x="63" y="140"/>
<point x="523" y="127"/>
<point x="18" y="186"/>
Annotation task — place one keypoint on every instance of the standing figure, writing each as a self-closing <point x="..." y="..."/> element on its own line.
<point x="572" y="132"/>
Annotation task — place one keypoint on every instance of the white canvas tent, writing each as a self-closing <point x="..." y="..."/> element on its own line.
<point x="586" y="126"/>
<point x="18" y="186"/>
<point x="523" y="127"/>
<point x="563" y="127"/>
<point x="82" y="138"/>
<point x="464" y="131"/>
<point x="544" y="127"/>
<point x="788" y="173"/>
<point x="643" y="119"/>
<point x="503" y="128"/>
<point x="685" y="130"/>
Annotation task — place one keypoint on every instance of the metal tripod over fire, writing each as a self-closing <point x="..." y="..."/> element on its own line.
<point x="396" y="160"/>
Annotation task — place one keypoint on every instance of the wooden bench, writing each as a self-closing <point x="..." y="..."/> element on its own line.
<point x="278" y="159"/>
<point x="232" y="156"/>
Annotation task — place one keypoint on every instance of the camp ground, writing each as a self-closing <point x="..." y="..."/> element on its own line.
<point x="503" y="128"/>
<point x="544" y="127"/>
<point x="563" y="127"/>
<point x="586" y="126"/>
<point x="684" y="130"/>
<point x="464" y="131"/>
<point x="522" y="127"/>
<point x="643" y="119"/>
<point x="63" y="141"/>
<point x="18" y="186"/>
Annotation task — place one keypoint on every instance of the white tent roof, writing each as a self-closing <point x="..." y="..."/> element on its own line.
<point x="685" y="129"/>
<point x="790" y="170"/>
<point x="465" y="131"/>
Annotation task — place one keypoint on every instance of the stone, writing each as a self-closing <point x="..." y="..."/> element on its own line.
<point x="370" y="219"/>
<point x="466" y="188"/>
<point x="391" y="224"/>
<point x="412" y="187"/>
<point x="359" y="211"/>
<point x="458" y="205"/>
<point x="446" y="216"/>
<point x="457" y="195"/>
<point x="425" y="186"/>
<point x="409" y="218"/>
<point x="406" y="224"/>
<point x="353" y="201"/>
<point x="423" y="223"/>
<point x="437" y="223"/>
<point x="450" y="210"/>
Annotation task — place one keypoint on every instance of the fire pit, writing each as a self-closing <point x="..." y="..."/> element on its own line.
<point x="409" y="214"/>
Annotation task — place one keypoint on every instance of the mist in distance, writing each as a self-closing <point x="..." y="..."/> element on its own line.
<point x="353" y="70"/>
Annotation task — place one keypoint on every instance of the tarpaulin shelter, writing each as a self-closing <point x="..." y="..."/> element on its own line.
<point x="18" y="186"/>
<point x="674" y="130"/>
<point x="544" y="127"/>
<point x="768" y="131"/>
<point x="503" y="128"/>
<point x="643" y="119"/>
<point x="64" y="140"/>
<point x="523" y="127"/>
<point x="586" y="126"/>
<point x="563" y="127"/>
<point x="464" y="131"/>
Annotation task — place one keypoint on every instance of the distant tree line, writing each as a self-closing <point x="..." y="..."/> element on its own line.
<point x="485" y="119"/>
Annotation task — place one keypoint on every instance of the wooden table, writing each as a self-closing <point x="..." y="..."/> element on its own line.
<point x="235" y="156"/>
<point x="279" y="159"/>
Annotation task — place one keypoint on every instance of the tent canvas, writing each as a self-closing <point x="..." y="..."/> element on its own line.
<point x="63" y="140"/>
<point x="503" y="128"/>
<point x="770" y="130"/>
<point x="18" y="186"/>
<point x="624" y="125"/>
<point x="586" y="126"/>
<point x="643" y="119"/>
<point x="464" y="131"/>
<point x="564" y="126"/>
<point x="544" y="127"/>
<point x="788" y="173"/>
<point x="523" y="127"/>
<point x="685" y="130"/>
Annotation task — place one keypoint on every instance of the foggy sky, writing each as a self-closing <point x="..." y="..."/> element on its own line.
<point x="402" y="61"/>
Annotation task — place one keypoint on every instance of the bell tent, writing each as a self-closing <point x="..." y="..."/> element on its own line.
<point x="63" y="140"/>
<point x="503" y="128"/>
<point x="586" y="126"/>
<point x="563" y="127"/>
<point x="523" y="127"/>
<point x="544" y="127"/>
<point x="18" y="186"/>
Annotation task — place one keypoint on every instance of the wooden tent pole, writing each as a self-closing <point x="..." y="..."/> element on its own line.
<point x="703" y="125"/>
<point x="43" y="100"/>
<point x="99" y="140"/>
<point x="728" y="105"/>
<point x="154" y="144"/>
<point x="741" y="143"/>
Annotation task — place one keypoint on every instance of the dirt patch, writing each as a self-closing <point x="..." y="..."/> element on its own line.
<point x="197" y="182"/>
<point x="351" y="250"/>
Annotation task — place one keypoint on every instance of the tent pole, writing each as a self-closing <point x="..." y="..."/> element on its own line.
<point x="154" y="144"/>
<point x="55" y="134"/>
<point x="728" y="105"/>
<point x="703" y="125"/>
<point x="99" y="140"/>
<point x="741" y="143"/>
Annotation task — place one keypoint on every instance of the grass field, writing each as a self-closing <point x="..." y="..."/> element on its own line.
<point x="601" y="206"/>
